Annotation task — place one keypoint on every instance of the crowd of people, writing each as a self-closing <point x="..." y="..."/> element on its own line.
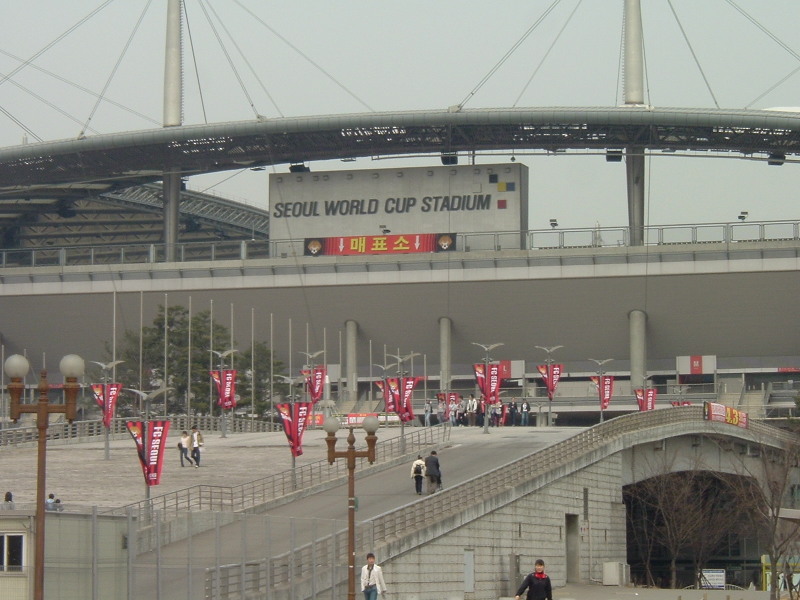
<point x="469" y="412"/>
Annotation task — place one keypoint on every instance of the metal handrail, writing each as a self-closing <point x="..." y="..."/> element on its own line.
<point x="535" y="239"/>
<point x="402" y="523"/>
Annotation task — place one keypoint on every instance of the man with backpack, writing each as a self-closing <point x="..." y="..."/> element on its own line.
<point x="418" y="473"/>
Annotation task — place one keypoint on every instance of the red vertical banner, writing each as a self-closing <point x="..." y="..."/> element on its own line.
<point x="315" y="382"/>
<point x="226" y="388"/>
<point x="480" y="377"/>
<point x="405" y="408"/>
<point x="150" y="448"/>
<point x="391" y="393"/>
<point x="605" y="389"/>
<point x="551" y="374"/>
<point x="696" y="365"/>
<point x="646" y="398"/>
<point x="106" y="394"/>
<point x="493" y="378"/>
<point x="294" y="418"/>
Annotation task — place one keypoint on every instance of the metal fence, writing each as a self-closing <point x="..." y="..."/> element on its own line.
<point x="84" y="431"/>
<point x="544" y="239"/>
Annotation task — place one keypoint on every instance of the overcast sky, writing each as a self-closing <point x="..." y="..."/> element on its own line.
<point x="321" y="57"/>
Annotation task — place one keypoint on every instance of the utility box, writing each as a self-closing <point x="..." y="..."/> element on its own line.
<point x="615" y="573"/>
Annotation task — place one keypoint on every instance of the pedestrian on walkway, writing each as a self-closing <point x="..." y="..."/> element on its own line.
<point x="418" y="473"/>
<point x="428" y="412"/>
<point x="372" y="582"/>
<point x="197" y="445"/>
<point x="433" y="472"/>
<point x="526" y="411"/>
<point x="537" y="583"/>
<point x="184" y="445"/>
<point x="8" y="502"/>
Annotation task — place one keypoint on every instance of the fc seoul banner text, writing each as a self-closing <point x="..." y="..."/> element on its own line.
<point x="398" y="395"/>
<point x="550" y="374"/>
<point x="226" y="388"/>
<point x="646" y="398"/>
<point x="151" y="450"/>
<point x="106" y="394"/>
<point x="315" y="382"/>
<point x="295" y="420"/>
<point x="605" y="389"/>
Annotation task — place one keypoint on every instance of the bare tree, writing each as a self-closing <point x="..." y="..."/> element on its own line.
<point x="767" y="475"/>
<point x="682" y="508"/>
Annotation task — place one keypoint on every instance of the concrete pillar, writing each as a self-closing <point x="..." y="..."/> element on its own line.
<point x="634" y="94"/>
<point x="351" y="359"/>
<point x="173" y="117"/>
<point x="637" y="328"/>
<point x="445" y="360"/>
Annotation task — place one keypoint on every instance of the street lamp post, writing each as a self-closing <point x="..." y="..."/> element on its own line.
<point x="17" y="367"/>
<point x="400" y="361"/>
<point x="308" y="369"/>
<point x="549" y="375"/>
<point x="106" y="367"/>
<point x="600" y="364"/>
<point x="486" y="360"/>
<point x="370" y="425"/>
<point x="222" y="356"/>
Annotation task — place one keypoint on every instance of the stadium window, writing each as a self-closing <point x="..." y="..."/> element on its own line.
<point x="11" y="552"/>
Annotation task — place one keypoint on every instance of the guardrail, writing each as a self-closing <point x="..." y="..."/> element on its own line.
<point x="93" y="430"/>
<point x="400" y="523"/>
<point x="538" y="239"/>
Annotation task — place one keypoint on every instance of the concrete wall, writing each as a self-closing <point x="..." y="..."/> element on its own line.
<point x="531" y="527"/>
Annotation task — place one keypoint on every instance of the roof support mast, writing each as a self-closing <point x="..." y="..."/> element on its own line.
<point x="634" y="94"/>
<point x="173" y="117"/>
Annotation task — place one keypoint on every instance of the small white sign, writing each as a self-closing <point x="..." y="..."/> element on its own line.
<point x="713" y="579"/>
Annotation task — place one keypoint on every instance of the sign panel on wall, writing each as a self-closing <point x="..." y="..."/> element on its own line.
<point x="383" y="202"/>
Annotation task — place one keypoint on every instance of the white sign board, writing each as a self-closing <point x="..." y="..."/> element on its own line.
<point x="713" y="579"/>
<point x="452" y="199"/>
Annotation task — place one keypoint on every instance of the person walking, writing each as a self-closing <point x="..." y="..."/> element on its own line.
<point x="526" y="411"/>
<point x="8" y="502"/>
<point x="372" y="582"/>
<point x="184" y="445"/>
<point x="197" y="444"/>
<point x="472" y="409"/>
<point x="428" y="412"/>
<point x="433" y="472"/>
<point x="537" y="583"/>
<point x="418" y="473"/>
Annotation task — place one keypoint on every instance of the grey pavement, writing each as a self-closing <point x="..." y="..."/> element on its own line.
<point x="611" y="592"/>
<point x="79" y="474"/>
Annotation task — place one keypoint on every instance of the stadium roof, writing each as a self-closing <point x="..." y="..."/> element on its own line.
<point x="47" y="184"/>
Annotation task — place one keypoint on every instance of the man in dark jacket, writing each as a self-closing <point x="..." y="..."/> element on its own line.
<point x="433" y="472"/>
<point x="537" y="583"/>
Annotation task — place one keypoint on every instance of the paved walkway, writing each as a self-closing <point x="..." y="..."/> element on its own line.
<point x="79" y="474"/>
<point x="610" y="592"/>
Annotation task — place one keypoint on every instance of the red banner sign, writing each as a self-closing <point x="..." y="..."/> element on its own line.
<point x="714" y="411"/>
<point x="226" y="388"/>
<point x="106" y="394"/>
<point x="551" y="375"/>
<point x="646" y="399"/>
<point x="488" y="383"/>
<point x="150" y="448"/>
<point x="380" y="244"/>
<point x="295" y="419"/>
<point x="315" y="382"/>
<point x="398" y="395"/>
<point x="605" y="389"/>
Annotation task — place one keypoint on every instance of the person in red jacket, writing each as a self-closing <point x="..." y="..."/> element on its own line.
<point x="537" y="583"/>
